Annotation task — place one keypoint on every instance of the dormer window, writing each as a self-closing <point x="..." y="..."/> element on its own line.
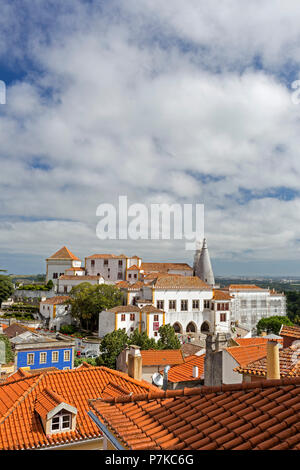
<point x="61" y="422"/>
<point x="56" y="415"/>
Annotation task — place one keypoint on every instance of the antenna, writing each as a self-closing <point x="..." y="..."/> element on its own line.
<point x="157" y="379"/>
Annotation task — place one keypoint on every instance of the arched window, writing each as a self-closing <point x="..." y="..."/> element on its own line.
<point x="191" y="327"/>
<point x="177" y="327"/>
<point x="205" y="327"/>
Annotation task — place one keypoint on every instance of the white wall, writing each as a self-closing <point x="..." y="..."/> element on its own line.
<point x="108" y="272"/>
<point x="106" y="323"/>
<point x="229" y="363"/>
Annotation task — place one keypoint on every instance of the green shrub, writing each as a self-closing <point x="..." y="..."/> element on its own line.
<point x="67" y="329"/>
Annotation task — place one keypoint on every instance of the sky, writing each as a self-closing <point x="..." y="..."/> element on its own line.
<point x="182" y="102"/>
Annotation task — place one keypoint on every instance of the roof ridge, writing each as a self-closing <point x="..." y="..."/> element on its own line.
<point x="203" y="390"/>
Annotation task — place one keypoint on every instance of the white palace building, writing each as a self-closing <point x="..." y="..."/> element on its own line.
<point x="166" y="293"/>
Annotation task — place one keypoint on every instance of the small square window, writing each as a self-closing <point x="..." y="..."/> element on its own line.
<point x="66" y="356"/>
<point x="54" y="356"/>
<point x="30" y="359"/>
<point x="43" y="358"/>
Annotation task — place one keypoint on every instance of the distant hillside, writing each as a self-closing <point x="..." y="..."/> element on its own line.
<point x="28" y="278"/>
<point x="277" y="284"/>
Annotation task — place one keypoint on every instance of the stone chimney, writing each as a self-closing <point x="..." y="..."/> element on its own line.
<point x="135" y="363"/>
<point x="213" y="365"/>
<point x="273" y="366"/>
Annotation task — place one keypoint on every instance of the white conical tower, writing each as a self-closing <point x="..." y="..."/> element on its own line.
<point x="202" y="265"/>
<point x="197" y="257"/>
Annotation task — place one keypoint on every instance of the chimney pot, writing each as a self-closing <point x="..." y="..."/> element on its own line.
<point x="135" y="363"/>
<point x="273" y="366"/>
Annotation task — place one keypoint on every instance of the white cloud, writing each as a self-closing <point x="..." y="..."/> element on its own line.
<point x="114" y="112"/>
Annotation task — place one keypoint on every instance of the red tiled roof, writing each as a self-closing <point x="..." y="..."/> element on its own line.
<point x="165" y="267"/>
<point x="122" y="284"/>
<point x="133" y="268"/>
<point x="184" y="372"/>
<point x="150" y="309"/>
<point x="244" y="287"/>
<point x="221" y="295"/>
<point x="58" y="299"/>
<point x="20" y="426"/>
<point x="64" y="253"/>
<point x="289" y="364"/>
<point x="124" y="308"/>
<point x="46" y="401"/>
<point x="180" y="282"/>
<point x="105" y="256"/>
<point x="264" y="415"/>
<point x="246" y="354"/>
<point x="136" y="286"/>
<point x="75" y="269"/>
<point x="70" y="277"/>
<point x="290" y="331"/>
<point x="254" y="340"/>
<point x="159" y="357"/>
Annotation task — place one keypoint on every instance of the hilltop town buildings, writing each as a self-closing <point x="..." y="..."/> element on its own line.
<point x="186" y="297"/>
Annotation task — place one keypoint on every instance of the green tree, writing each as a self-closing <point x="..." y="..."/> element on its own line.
<point x="168" y="338"/>
<point x="89" y="360"/>
<point x="88" y="301"/>
<point x="111" y="346"/>
<point x="50" y="284"/>
<point x="272" y="324"/>
<point x="141" y="339"/>
<point x="6" y="287"/>
<point x="9" y="355"/>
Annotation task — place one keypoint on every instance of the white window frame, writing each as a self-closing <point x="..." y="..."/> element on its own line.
<point x="68" y="353"/>
<point x="60" y="418"/>
<point x="29" y="363"/>
<point x="52" y="356"/>
<point x="41" y="355"/>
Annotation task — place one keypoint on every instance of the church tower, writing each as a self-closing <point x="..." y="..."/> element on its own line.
<point x="202" y="265"/>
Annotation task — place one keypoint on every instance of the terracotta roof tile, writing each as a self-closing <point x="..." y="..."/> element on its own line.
<point x="124" y="308"/>
<point x="204" y="418"/>
<point x="165" y="267"/>
<point x="244" y="287"/>
<point x="58" y="299"/>
<point x="184" y="372"/>
<point x="221" y="295"/>
<point x="70" y="277"/>
<point x="159" y="357"/>
<point x="248" y="353"/>
<point x="180" y="282"/>
<point x="20" y="427"/>
<point x="134" y="268"/>
<point x="290" y="331"/>
<point x="106" y="256"/>
<point x="64" y="253"/>
<point x="289" y="364"/>
<point x="254" y="340"/>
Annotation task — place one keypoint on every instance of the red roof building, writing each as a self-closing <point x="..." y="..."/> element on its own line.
<point x="30" y="402"/>
<point x="249" y="416"/>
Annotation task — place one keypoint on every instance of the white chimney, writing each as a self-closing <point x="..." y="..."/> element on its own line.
<point x="195" y="372"/>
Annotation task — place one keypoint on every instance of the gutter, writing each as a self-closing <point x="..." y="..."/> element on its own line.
<point x="105" y="431"/>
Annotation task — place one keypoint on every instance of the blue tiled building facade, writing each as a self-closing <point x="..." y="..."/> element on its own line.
<point x="59" y="357"/>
